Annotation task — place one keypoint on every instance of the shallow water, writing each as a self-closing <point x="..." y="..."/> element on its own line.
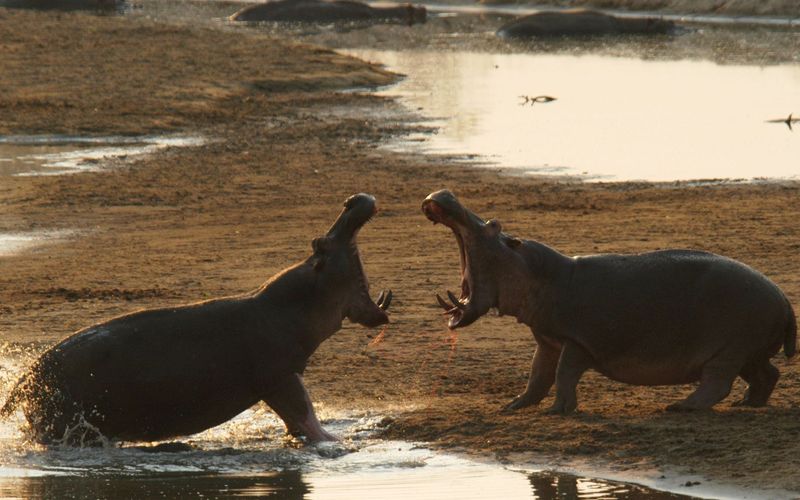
<point x="12" y="243"/>
<point x="614" y="118"/>
<point x="23" y="155"/>
<point x="250" y="456"/>
<point x="247" y="457"/>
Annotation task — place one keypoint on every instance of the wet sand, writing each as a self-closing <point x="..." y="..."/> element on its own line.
<point x="285" y="150"/>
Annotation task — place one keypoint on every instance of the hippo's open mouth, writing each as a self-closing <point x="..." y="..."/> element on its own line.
<point x="442" y="207"/>
<point x="358" y="210"/>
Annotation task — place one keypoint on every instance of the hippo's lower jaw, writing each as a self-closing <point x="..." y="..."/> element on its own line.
<point x="463" y="311"/>
<point x="371" y="314"/>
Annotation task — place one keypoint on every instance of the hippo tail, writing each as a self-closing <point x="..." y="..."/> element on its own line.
<point x="790" y="335"/>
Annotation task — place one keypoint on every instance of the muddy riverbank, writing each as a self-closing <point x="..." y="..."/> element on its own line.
<point x="286" y="149"/>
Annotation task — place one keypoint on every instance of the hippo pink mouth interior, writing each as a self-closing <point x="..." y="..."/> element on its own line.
<point x="462" y="304"/>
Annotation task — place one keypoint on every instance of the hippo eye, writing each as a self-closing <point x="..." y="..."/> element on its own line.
<point x="494" y="227"/>
<point x="348" y="204"/>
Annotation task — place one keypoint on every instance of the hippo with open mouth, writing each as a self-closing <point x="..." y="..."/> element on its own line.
<point x="581" y="22"/>
<point x="659" y="318"/>
<point x="162" y="373"/>
<point x="329" y="11"/>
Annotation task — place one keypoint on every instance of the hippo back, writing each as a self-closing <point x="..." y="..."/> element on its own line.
<point x="306" y="11"/>
<point x="676" y="308"/>
<point x="579" y="22"/>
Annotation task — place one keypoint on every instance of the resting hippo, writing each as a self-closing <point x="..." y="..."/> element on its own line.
<point x="324" y="11"/>
<point x="66" y="5"/>
<point x="577" y="22"/>
<point x="659" y="318"/>
<point x="162" y="373"/>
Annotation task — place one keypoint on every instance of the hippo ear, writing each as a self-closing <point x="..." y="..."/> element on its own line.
<point x="512" y="242"/>
<point x="319" y="245"/>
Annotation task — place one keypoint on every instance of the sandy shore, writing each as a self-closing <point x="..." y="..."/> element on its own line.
<point x="219" y="219"/>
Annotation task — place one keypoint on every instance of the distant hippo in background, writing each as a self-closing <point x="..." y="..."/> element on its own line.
<point x="163" y="373"/>
<point x="580" y="22"/>
<point x="66" y="5"/>
<point x="325" y="11"/>
<point x="658" y="318"/>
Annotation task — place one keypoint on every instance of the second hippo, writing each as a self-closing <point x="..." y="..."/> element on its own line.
<point x="580" y="22"/>
<point x="658" y="318"/>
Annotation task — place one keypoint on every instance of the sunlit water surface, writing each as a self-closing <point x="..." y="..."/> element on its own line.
<point x="250" y="456"/>
<point x="614" y="118"/>
<point x="11" y="243"/>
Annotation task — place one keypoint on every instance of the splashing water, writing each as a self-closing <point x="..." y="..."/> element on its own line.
<point x="250" y="455"/>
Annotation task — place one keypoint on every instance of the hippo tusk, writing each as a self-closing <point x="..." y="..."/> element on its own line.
<point x="455" y="301"/>
<point x="384" y="299"/>
<point x="443" y="303"/>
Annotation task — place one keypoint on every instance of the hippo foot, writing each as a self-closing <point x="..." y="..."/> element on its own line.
<point x="683" y="407"/>
<point x="317" y="436"/>
<point x="324" y="436"/>
<point x="749" y="402"/>
<point x="561" y="408"/>
<point x="519" y="402"/>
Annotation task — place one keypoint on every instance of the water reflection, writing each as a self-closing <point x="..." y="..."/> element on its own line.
<point x="615" y="118"/>
<point x="287" y="485"/>
<point x="293" y="485"/>
<point x="547" y="486"/>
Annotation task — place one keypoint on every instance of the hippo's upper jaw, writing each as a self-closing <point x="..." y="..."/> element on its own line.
<point x="474" y="237"/>
<point x="338" y="262"/>
<point x="358" y="210"/>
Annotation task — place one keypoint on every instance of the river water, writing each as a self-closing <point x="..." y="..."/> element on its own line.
<point x="615" y="119"/>
<point x="250" y="456"/>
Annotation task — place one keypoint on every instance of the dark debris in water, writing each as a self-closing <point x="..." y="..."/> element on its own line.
<point x="172" y="447"/>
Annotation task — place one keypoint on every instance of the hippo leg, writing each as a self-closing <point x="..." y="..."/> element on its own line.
<point x="542" y="376"/>
<point x="761" y="379"/>
<point x="289" y="399"/>
<point x="716" y="380"/>
<point x="573" y="362"/>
